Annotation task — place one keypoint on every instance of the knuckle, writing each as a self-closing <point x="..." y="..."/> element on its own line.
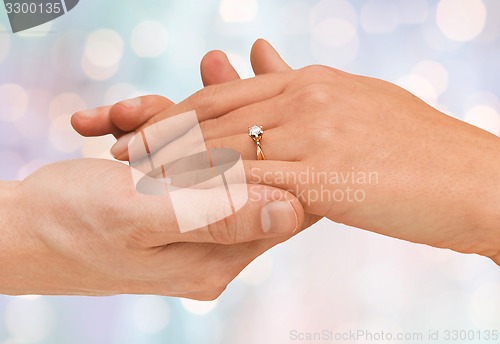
<point x="207" y="126"/>
<point x="321" y="71"/>
<point x="316" y="94"/>
<point x="222" y="231"/>
<point x="211" y="127"/>
<point x="317" y="69"/>
<point x="214" y="144"/>
<point x="160" y="99"/>
<point x="204" y="99"/>
<point x="233" y="227"/>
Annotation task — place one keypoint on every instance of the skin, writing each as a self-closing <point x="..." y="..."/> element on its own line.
<point x="79" y="227"/>
<point x="435" y="178"/>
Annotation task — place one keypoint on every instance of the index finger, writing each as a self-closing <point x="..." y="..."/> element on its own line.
<point x="216" y="100"/>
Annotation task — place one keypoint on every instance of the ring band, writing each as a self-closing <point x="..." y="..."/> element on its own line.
<point x="256" y="132"/>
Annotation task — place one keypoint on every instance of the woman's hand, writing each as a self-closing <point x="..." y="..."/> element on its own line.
<point x="79" y="227"/>
<point x="125" y="118"/>
<point x="363" y="152"/>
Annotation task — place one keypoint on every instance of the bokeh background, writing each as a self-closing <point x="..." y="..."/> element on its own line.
<point x="330" y="277"/>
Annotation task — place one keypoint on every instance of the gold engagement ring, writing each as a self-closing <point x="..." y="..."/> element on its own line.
<point x="256" y="132"/>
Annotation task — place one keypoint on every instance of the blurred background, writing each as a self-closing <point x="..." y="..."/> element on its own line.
<point x="330" y="277"/>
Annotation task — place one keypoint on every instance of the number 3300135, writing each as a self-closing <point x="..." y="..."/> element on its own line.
<point x="25" y="8"/>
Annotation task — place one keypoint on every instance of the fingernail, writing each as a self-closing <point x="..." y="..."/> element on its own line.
<point x="121" y="145"/>
<point x="131" y="103"/>
<point x="279" y="217"/>
<point x="87" y="113"/>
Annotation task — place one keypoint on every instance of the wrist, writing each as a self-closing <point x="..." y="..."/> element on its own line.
<point x="491" y="229"/>
<point x="494" y="227"/>
<point x="488" y="207"/>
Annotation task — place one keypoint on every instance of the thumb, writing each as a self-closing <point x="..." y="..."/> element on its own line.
<point x="268" y="212"/>
<point x="205" y="215"/>
<point x="265" y="59"/>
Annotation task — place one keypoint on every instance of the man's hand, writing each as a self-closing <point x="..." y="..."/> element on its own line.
<point x="126" y="243"/>
<point x="80" y="227"/>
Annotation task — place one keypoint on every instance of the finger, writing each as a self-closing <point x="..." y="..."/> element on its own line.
<point x="217" y="100"/>
<point x="267" y="109"/>
<point x="120" y="118"/>
<point x="265" y="59"/>
<point x="179" y="149"/>
<point x="258" y="213"/>
<point x="269" y="114"/>
<point x="95" y="122"/>
<point x="216" y="69"/>
<point x="164" y="146"/>
<point x="275" y="144"/>
<point x="132" y="113"/>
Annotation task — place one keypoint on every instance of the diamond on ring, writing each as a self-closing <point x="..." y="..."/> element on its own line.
<point x="255" y="132"/>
